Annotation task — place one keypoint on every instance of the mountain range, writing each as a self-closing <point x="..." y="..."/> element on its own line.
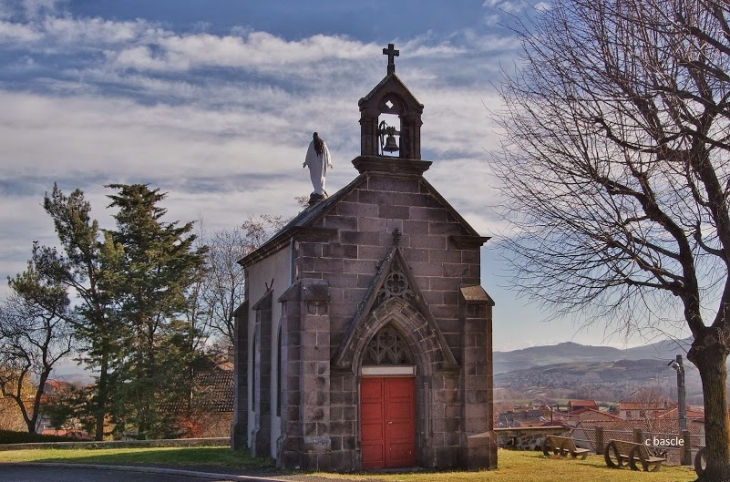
<point x="569" y="352"/>
<point x="572" y="370"/>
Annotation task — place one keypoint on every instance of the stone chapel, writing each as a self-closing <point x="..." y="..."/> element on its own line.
<point x="365" y="338"/>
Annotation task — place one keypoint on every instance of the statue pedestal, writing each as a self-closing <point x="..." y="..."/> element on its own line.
<point x="314" y="198"/>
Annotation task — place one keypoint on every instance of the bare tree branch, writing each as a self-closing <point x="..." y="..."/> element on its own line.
<point x="616" y="170"/>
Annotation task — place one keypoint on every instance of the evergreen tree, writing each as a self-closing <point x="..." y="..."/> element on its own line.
<point x="82" y="266"/>
<point x="158" y="265"/>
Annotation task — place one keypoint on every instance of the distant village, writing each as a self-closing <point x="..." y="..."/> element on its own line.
<point x="524" y="426"/>
<point x="575" y="412"/>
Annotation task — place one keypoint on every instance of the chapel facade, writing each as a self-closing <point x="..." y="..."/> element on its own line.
<point x="365" y="338"/>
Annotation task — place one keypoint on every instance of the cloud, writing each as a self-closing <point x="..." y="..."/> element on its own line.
<point x="491" y="20"/>
<point x="94" y="31"/>
<point x="253" y="50"/>
<point x="508" y="6"/>
<point x="15" y="32"/>
<point x="57" y="34"/>
<point x="30" y="9"/>
<point x="35" y="8"/>
<point x="220" y="122"/>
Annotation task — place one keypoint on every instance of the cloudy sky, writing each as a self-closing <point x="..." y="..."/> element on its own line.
<point x="214" y="101"/>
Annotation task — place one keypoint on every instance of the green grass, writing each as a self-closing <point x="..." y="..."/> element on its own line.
<point x="522" y="466"/>
<point x="534" y="467"/>
<point x="177" y="456"/>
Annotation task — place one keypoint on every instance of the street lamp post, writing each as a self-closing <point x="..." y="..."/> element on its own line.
<point x="678" y="366"/>
<point x="682" y="406"/>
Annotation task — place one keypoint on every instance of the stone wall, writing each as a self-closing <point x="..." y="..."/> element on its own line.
<point x="118" y="444"/>
<point x="365" y="220"/>
<point x="527" y="438"/>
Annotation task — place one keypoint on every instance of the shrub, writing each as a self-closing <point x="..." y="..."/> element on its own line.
<point x="10" y="437"/>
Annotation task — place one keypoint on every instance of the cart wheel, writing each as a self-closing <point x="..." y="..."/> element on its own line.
<point x="612" y="456"/>
<point x="701" y="461"/>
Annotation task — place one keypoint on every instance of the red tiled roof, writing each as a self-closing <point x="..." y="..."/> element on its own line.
<point x="582" y="403"/>
<point x="216" y="389"/>
<point x="586" y="409"/>
<point x="674" y="413"/>
<point x="643" y="405"/>
<point x="212" y="392"/>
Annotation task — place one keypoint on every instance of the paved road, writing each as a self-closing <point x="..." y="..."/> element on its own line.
<point x="41" y="473"/>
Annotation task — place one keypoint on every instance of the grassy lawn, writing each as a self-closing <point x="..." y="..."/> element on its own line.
<point x="178" y="456"/>
<point x="522" y="466"/>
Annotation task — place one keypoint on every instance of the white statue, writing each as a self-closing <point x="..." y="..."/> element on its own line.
<point x="318" y="160"/>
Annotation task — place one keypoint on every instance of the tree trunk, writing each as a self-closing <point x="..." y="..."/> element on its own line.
<point x="102" y="396"/>
<point x="709" y="355"/>
<point x="30" y="425"/>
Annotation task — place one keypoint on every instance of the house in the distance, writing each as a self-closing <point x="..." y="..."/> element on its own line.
<point x="690" y="414"/>
<point x="574" y="405"/>
<point x="523" y="418"/>
<point x="583" y="414"/>
<point x="642" y="410"/>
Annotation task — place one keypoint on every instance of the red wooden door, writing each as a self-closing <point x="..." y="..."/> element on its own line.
<point x="388" y="422"/>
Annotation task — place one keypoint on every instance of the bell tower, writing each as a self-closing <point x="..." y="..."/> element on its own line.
<point x="390" y="96"/>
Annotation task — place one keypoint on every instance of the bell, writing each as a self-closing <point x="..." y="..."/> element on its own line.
<point x="390" y="144"/>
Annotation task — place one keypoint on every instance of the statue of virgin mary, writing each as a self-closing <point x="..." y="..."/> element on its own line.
<point x="318" y="160"/>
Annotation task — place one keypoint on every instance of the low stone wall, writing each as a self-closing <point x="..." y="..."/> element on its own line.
<point x="117" y="444"/>
<point x="527" y="438"/>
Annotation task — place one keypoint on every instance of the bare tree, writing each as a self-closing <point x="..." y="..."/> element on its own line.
<point x="223" y="286"/>
<point x="34" y="336"/>
<point x="10" y="416"/>
<point x="616" y="166"/>
<point x="221" y="289"/>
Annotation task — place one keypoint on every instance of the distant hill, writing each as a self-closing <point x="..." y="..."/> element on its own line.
<point x="569" y="374"/>
<point x="599" y="370"/>
<point x="569" y="352"/>
<point x="662" y="350"/>
<point x="602" y="380"/>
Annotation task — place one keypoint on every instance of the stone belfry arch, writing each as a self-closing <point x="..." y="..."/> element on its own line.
<point x="391" y="96"/>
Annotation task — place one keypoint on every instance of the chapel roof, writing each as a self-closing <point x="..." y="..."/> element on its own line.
<point x="303" y="222"/>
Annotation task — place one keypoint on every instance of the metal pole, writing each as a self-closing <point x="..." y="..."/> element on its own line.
<point x="681" y="395"/>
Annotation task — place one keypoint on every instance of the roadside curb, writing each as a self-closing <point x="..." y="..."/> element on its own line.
<point x="151" y="470"/>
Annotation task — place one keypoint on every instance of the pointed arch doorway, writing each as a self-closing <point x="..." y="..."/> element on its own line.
<point x="388" y="403"/>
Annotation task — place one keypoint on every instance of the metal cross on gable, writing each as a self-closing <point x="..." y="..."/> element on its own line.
<point x="392" y="53"/>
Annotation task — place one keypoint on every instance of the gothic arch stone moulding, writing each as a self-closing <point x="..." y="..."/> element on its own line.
<point x="394" y="297"/>
<point x="422" y="339"/>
